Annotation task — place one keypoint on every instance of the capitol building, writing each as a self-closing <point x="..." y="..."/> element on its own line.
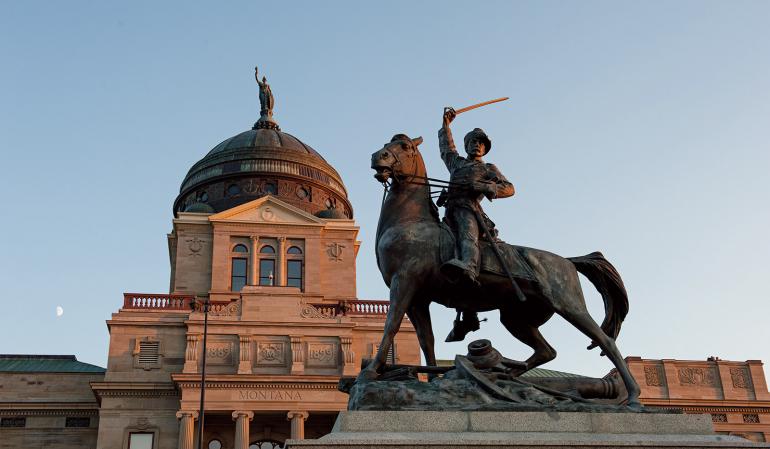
<point x="264" y="233"/>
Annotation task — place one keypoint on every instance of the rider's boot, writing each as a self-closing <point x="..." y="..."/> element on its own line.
<point x="468" y="323"/>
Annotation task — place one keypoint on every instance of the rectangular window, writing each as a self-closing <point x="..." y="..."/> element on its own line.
<point x="266" y="272"/>
<point x="16" y="421"/>
<point x="77" y="421"/>
<point x="238" y="279"/>
<point x="140" y="440"/>
<point x="294" y="273"/>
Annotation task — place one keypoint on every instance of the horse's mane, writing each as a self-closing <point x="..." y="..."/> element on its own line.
<point x="404" y="139"/>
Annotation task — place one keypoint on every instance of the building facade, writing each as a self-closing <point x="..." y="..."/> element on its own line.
<point x="734" y="393"/>
<point x="264" y="234"/>
<point x="47" y="401"/>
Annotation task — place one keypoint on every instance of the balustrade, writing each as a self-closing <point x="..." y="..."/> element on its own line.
<point x="152" y="301"/>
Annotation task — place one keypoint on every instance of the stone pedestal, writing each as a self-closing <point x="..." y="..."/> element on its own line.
<point x="542" y="430"/>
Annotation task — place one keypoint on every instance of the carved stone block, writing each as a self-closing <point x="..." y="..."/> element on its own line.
<point x="740" y="378"/>
<point x="271" y="353"/>
<point x="653" y="376"/>
<point x="322" y="355"/>
<point x="702" y="377"/>
<point x="220" y="353"/>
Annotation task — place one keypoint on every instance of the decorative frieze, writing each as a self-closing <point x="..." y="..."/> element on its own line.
<point x="718" y="417"/>
<point x="700" y="377"/>
<point x="740" y="377"/>
<point x="653" y="376"/>
<point x="751" y="418"/>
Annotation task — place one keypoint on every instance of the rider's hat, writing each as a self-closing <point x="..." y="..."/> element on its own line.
<point x="478" y="133"/>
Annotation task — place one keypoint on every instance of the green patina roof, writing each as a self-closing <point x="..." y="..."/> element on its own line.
<point x="534" y="372"/>
<point x="45" y="363"/>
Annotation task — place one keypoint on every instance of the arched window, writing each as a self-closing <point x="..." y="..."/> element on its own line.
<point x="239" y="248"/>
<point x="294" y="267"/>
<point x="267" y="266"/>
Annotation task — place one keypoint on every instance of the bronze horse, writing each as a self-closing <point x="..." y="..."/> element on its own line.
<point x="409" y="254"/>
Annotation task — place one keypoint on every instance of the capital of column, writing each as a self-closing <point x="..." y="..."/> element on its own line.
<point x="297" y="414"/>
<point x="238" y="413"/>
<point x="187" y="414"/>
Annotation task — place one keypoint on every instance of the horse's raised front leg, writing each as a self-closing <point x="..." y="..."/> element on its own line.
<point x="401" y="294"/>
<point x="419" y="314"/>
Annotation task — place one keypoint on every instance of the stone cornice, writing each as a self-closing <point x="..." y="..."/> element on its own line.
<point x="49" y="409"/>
<point x="240" y="381"/>
<point x="707" y="403"/>
<point x="134" y="389"/>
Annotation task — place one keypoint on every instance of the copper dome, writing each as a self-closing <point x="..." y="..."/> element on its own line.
<point x="259" y="162"/>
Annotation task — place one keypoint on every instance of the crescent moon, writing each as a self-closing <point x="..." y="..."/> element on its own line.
<point x="59" y="311"/>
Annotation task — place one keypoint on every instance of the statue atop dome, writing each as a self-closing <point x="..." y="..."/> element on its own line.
<point x="266" y="102"/>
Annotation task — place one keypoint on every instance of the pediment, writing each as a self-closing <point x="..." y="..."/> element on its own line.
<point x="267" y="209"/>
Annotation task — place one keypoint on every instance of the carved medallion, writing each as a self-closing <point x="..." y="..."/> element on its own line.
<point x="271" y="353"/>
<point x="267" y="214"/>
<point x="334" y="250"/>
<point x="195" y="245"/>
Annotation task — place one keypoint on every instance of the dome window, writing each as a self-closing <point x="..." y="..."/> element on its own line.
<point x="303" y="193"/>
<point x="233" y="190"/>
<point x="271" y="188"/>
<point x="203" y="197"/>
<point x="328" y="203"/>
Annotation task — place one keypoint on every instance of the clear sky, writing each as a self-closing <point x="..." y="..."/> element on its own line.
<point x="638" y="129"/>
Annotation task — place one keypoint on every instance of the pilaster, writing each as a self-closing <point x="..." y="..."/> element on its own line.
<point x="297" y="355"/>
<point x="244" y="353"/>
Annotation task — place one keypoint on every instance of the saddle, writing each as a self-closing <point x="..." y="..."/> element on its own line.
<point x="489" y="263"/>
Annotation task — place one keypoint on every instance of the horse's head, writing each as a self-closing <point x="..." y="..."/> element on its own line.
<point x="398" y="159"/>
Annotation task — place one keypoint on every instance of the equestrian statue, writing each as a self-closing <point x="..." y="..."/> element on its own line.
<point x="460" y="262"/>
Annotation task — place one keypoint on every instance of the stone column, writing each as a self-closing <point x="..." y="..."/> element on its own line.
<point x="280" y="263"/>
<point x="186" y="428"/>
<point x="242" y="419"/>
<point x="297" y="419"/>
<point x="253" y="278"/>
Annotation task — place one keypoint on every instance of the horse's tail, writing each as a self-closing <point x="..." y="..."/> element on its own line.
<point x="607" y="281"/>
